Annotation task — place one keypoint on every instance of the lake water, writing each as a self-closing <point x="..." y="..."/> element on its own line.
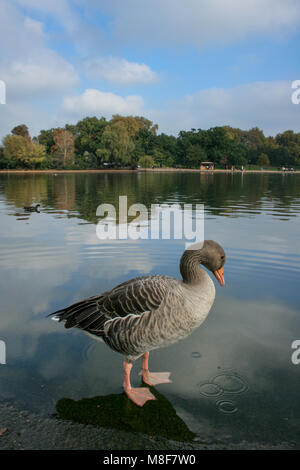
<point x="233" y="378"/>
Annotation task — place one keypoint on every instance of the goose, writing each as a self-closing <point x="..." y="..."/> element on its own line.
<point x="150" y="312"/>
<point x="32" y="208"/>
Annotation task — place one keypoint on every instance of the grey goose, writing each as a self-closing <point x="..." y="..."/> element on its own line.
<point x="150" y="312"/>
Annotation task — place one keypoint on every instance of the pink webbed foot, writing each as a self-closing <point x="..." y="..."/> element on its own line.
<point x="155" y="378"/>
<point x="139" y="396"/>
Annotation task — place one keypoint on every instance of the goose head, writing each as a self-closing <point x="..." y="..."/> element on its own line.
<point x="211" y="255"/>
<point x="213" y="258"/>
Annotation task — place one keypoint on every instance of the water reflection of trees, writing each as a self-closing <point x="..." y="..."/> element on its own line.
<point x="220" y="193"/>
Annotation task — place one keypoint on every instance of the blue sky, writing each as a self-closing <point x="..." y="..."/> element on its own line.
<point x="197" y="63"/>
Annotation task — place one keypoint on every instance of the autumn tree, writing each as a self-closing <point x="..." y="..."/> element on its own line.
<point x="134" y="123"/>
<point x="25" y="152"/>
<point x="21" y="130"/>
<point x="63" y="148"/>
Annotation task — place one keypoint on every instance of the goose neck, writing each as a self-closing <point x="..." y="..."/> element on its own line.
<point x="190" y="269"/>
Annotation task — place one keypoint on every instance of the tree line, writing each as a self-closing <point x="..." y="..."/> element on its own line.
<point x="132" y="141"/>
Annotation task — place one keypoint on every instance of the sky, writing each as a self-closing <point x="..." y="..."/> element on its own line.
<point x="181" y="64"/>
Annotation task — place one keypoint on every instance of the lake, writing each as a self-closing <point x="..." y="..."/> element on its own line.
<point x="233" y="378"/>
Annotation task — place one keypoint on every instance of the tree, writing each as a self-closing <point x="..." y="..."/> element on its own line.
<point x="195" y="155"/>
<point x="263" y="160"/>
<point x="146" y="161"/>
<point x="135" y="123"/>
<point x="116" y="144"/>
<point x="126" y="139"/>
<point x="158" y="157"/>
<point x="254" y="138"/>
<point x="25" y="152"/>
<point x="290" y="141"/>
<point x="145" y="139"/>
<point x="46" y="138"/>
<point x="88" y="134"/>
<point x="21" y="130"/>
<point x="63" y="146"/>
<point x="165" y="146"/>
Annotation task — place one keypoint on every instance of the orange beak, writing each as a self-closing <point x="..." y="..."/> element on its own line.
<point x="220" y="276"/>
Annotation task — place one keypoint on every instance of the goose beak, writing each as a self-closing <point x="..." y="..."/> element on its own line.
<point x="219" y="274"/>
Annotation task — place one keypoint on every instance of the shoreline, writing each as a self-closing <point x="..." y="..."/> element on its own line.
<point x="149" y="170"/>
<point x="22" y="429"/>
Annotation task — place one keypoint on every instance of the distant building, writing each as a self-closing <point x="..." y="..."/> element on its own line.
<point x="207" y="166"/>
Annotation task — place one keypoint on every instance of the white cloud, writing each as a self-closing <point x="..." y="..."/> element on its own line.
<point x="34" y="26"/>
<point x="120" y="71"/>
<point x="44" y="75"/>
<point x="267" y="105"/>
<point x="62" y="11"/>
<point x="95" y="101"/>
<point x="84" y="36"/>
<point x="175" y="22"/>
<point x="28" y="66"/>
<point x="17" y="32"/>
<point x="172" y="22"/>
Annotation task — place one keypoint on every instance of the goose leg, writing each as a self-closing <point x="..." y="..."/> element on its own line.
<point x="139" y="396"/>
<point x="153" y="378"/>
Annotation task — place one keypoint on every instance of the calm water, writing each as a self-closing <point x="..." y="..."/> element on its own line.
<point x="233" y="378"/>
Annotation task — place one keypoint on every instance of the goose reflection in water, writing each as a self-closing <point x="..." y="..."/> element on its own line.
<point x="116" y="411"/>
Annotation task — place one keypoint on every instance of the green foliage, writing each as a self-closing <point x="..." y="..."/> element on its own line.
<point x="195" y="155"/>
<point x="134" y="124"/>
<point x="126" y="140"/>
<point x="164" y="150"/>
<point x="88" y="134"/>
<point x="116" y="144"/>
<point x="23" y="151"/>
<point x="145" y="139"/>
<point x="146" y="161"/>
<point x="7" y="163"/>
<point x="263" y="160"/>
<point x="158" y="158"/>
<point x="46" y="138"/>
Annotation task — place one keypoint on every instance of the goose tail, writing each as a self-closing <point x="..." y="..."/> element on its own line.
<point x="57" y="316"/>
<point x="81" y="314"/>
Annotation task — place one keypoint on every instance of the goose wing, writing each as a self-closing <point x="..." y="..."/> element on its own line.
<point x="134" y="297"/>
